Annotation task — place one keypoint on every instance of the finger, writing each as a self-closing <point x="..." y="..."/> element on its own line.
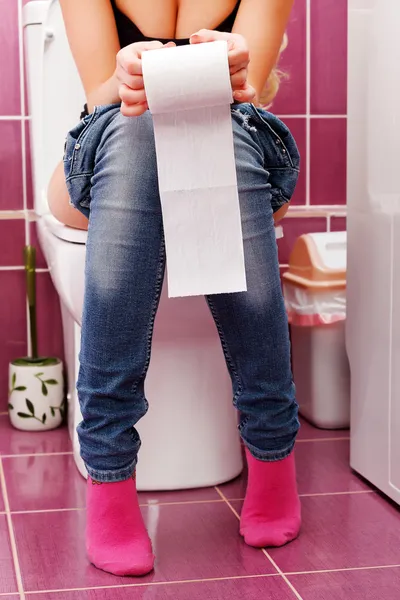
<point x="129" y="58"/>
<point x="135" y="110"/>
<point x="135" y="82"/>
<point x="130" y="97"/>
<point x="238" y="80"/>
<point x="207" y="35"/>
<point x="237" y="57"/>
<point x="247" y="94"/>
<point x="235" y="68"/>
<point x="150" y="46"/>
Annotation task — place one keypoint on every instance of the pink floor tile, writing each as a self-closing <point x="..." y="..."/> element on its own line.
<point x="191" y="542"/>
<point x="324" y="467"/>
<point x="353" y="530"/>
<point x="236" y="489"/>
<point x="13" y="441"/>
<point x="197" y="495"/>
<point x="7" y="577"/>
<point x="271" y="588"/>
<point x="309" y="432"/>
<point x="370" y="584"/>
<point x="43" y="483"/>
<point x="2" y="507"/>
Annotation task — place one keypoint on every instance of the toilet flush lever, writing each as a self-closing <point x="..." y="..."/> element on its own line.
<point x="48" y="36"/>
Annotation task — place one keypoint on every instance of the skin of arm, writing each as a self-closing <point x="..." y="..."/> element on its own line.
<point x="263" y="24"/>
<point x="95" y="29"/>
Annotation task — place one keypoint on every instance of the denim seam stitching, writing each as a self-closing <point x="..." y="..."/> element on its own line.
<point x="153" y="313"/>
<point x="226" y="351"/>
<point x="260" y="119"/>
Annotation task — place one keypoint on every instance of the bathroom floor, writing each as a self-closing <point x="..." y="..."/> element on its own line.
<point x="349" y="547"/>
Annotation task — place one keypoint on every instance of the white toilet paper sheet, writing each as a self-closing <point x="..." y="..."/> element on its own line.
<point x="189" y="95"/>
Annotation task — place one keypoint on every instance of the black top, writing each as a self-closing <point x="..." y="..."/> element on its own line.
<point x="129" y="33"/>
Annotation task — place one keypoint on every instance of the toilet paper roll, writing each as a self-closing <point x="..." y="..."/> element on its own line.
<point x="189" y="95"/>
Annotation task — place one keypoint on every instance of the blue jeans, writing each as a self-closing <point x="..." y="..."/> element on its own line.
<point x="110" y="168"/>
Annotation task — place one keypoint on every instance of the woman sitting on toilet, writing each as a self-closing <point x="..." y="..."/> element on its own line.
<point x="109" y="175"/>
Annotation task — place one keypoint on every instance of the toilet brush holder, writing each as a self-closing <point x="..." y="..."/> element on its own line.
<point x="36" y="394"/>
<point x="36" y="399"/>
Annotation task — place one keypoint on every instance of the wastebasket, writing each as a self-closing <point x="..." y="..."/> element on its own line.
<point x="315" y="297"/>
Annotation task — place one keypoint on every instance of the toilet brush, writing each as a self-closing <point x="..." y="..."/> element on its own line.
<point x="36" y="389"/>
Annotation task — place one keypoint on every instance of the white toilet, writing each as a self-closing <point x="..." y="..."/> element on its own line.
<point x="189" y="435"/>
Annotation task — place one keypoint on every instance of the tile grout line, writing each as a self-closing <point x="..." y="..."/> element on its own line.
<point x="273" y="563"/>
<point x="23" y="152"/>
<point x="41" y="454"/>
<point x="207" y="580"/>
<point x="13" y="543"/>
<point x="342" y="570"/>
<point x="154" y="584"/>
<point x="69" y="452"/>
<point x="308" y="102"/>
<point x="332" y="439"/>
<point x="187" y="503"/>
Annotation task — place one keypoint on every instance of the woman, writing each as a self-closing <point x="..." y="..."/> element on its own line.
<point x="110" y="171"/>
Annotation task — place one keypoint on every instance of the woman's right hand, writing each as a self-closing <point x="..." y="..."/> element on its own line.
<point x="130" y="77"/>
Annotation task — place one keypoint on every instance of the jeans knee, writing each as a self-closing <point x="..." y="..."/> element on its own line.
<point x="133" y="135"/>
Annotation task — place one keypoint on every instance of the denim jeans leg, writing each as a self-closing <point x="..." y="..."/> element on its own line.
<point x="123" y="280"/>
<point x="253" y="325"/>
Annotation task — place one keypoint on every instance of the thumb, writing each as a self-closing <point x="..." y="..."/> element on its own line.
<point x="208" y="35"/>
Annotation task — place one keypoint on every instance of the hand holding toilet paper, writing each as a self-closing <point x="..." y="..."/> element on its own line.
<point x="189" y="95"/>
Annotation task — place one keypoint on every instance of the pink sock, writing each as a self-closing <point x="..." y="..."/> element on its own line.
<point x="271" y="510"/>
<point x="116" y="536"/>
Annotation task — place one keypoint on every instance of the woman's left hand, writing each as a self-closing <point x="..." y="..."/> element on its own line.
<point x="238" y="57"/>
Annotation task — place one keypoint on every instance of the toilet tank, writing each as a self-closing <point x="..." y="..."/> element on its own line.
<point x="55" y="92"/>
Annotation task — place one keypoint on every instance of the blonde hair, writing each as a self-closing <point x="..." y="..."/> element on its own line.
<point x="274" y="80"/>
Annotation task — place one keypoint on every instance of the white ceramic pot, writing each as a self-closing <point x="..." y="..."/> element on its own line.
<point x="36" y="394"/>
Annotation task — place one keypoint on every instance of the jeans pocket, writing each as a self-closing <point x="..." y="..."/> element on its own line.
<point x="73" y="142"/>
<point x="273" y="130"/>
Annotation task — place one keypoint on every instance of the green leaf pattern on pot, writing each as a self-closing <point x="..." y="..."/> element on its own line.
<point x="45" y="383"/>
<point x="29" y="405"/>
<point x="31" y="414"/>
<point x="14" y="387"/>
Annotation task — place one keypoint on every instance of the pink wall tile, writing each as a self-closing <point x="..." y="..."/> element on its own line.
<point x="10" y="99"/>
<point x="293" y="228"/>
<point x="12" y="325"/>
<point x="10" y="165"/>
<point x="328" y="56"/>
<point x="48" y="317"/>
<point x="40" y="260"/>
<point x="28" y="166"/>
<point x="328" y="161"/>
<point x="298" y="129"/>
<point x="12" y="236"/>
<point x="291" y="99"/>
<point x="338" y="223"/>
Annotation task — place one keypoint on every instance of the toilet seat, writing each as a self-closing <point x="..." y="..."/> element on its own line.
<point x="79" y="236"/>
<point x="63" y="232"/>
